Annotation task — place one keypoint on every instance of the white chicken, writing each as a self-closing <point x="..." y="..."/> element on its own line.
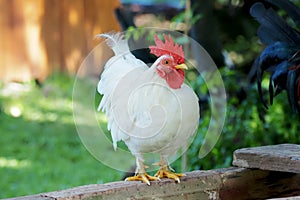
<point x="150" y="108"/>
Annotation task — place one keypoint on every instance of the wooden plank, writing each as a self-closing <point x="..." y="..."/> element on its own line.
<point x="286" y="198"/>
<point x="13" y="48"/>
<point x="258" y="184"/>
<point x="225" y="184"/>
<point x="50" y="24"/>
<point x="101" y="21"/>
<point x="34" y="46"/>
<point x="31" y="197"/>
<point x="282" y="157"/>
<point x="194" y="186"/>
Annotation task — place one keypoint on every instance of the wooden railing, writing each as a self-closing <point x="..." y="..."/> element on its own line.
<point x="259" y="173"/>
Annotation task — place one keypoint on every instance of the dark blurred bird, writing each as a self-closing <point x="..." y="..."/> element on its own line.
<point x="281" y="57"/>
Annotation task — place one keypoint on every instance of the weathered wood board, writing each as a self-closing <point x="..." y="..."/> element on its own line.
<point x="286" y="198"/>
<point x="276" y="177"/>
<point x="225" y="184"/>
<point x="282" y="157"/>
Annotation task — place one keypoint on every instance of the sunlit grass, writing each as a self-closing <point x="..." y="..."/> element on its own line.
<point x="13" y="163"/>
<point x="40" y="149"/>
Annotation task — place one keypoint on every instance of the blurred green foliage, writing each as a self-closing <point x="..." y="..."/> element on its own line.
<point x="247" y="123"/>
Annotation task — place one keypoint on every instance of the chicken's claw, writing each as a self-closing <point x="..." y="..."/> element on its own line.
<point x="165" y="172"/>
<point x="144" y="177"/>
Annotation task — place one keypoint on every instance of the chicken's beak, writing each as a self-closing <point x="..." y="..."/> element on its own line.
<point x="181" y="66"/>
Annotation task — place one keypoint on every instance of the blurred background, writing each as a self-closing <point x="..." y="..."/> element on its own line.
<point x="43" y="43"/>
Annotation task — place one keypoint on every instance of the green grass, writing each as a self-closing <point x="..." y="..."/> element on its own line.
<point x="40" y="149"/>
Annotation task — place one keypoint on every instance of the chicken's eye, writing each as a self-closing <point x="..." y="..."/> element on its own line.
<point x="165" y="62"/>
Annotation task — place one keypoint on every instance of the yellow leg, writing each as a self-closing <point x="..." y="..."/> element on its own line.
<point x="141" y="174"/>
<point x="166" y="171"/>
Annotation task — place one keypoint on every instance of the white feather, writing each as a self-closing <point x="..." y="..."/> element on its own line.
<point x="116" y="42"/>
<point x="116" y="67"/>
<point x="180" y="106"/>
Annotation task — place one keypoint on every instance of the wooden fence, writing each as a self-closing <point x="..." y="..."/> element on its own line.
<point x="38" y="37"/>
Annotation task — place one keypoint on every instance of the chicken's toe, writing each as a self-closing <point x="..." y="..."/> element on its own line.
<point x="144" y="177"/>
<point x="164" y="172"/>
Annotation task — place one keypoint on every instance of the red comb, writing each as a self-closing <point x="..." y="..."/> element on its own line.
<point x="167" y="48"/>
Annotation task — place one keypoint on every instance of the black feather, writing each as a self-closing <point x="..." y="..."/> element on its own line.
<point x="273" y="55"/>
<point x="259" y="74"/>
<point x="281" y="57"/>
<point x="292" y="10"/>
<point x="271" y="91"/>
<point x="278" y="79"/>
<point x="291" y="89"/>
<point x="266" y="35"/>
<point x="279" y="76"/>
<point x="298" y="92"/>
<point x="274" y="24"/>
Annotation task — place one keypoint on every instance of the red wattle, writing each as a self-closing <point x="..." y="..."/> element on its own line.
<point x="175" y="79"/>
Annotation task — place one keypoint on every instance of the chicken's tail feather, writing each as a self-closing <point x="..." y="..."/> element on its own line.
<point x="116" y="42"/>
<point x="273" y="28"/>
<point x="292" y="10"/>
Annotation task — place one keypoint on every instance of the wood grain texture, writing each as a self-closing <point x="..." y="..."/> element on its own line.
<point x="225" y="184"/>
<point x="287" y="198"/>
<point x="282" y="157"/>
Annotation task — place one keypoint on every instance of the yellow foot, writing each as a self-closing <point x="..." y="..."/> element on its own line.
<point x="165" y="172"/>
<point x="146" y="178"/>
